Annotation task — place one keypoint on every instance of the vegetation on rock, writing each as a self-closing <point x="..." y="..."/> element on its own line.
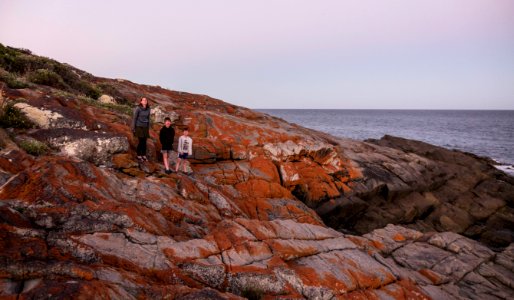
<point x="34" y="147"/>
<point x="47" y="77"/>
<point x="46" y="71"/>
<point x="11" y="80"/>
<point x="121" y="108"/>
<point x="12" y="117"/>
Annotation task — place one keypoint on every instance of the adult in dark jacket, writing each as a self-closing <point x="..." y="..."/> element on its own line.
<point x="166" y="137"/>
<point x="141" y="127"/>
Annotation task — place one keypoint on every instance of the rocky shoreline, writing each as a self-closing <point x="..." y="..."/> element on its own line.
<point x="273" y="210"/>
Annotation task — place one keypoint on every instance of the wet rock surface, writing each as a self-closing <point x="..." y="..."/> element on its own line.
<point x="271" y="210"/>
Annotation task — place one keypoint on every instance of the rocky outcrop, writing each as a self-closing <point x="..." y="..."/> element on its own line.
<point x="272" y="209"/>
<point x="158" y="115"/>
<point x="96" y="147"/>
<point x="445" y="265"/>
<point x="139" y="235"/>
<point x="106" y="99"/>
<point x="160" y="239"/>
<point x="45" y="118"/>
<point x="428" y="187"/>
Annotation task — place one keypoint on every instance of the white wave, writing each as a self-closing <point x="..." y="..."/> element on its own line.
<point x="509" y="169"/>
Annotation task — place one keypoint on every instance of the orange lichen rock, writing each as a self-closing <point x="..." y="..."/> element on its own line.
<point x="431" y="275"/>
<point x="398" y="237"/>
<point x="87" y="220"/>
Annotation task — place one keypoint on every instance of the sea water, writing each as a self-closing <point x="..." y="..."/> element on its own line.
<point x="486" y="133"/>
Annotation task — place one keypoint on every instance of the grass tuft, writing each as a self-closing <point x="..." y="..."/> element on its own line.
<point x="34" y="147"/>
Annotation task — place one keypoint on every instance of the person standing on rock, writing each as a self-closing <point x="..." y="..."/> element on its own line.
<point x="141" y="127"/>
<point x="184" y="149"/>
<point x="166" y="137"/>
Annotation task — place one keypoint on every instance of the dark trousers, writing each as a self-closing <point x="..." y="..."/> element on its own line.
<point x="141" y="147"/>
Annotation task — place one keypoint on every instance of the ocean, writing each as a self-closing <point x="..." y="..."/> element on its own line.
<point x="486" y="133"/>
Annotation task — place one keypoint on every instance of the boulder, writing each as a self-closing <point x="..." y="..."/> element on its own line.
<point x="46" y="118"/>
<point x="91" y="146"/>
<point x="158" y="114"/>
<point x="106" y="99"/>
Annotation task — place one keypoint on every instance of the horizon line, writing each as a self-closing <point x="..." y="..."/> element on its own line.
<point x="411" y="109"/>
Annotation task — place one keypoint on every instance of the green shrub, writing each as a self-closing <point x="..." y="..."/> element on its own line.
<point x="12" y="117"/>
<point x="88" y="89"/>
<point x="28" y="63"/>
<point x="121" y="108"/>
<point x="11" y="80"/>
<point x="47" y="77"/>
<point x="7" y="57"/>
<point x="12" y="64"/>
<point x="63" y="94"/>
<point x="74" y="81"/>
<point x="70" y="77"/>
<point x="34" y="147"/>
<point x="46" y="71"/>
<point x="67" y="74"/>
<point x="20" y="62"/>
<point x="23" y="50"/>
<point x="108" y="89"/>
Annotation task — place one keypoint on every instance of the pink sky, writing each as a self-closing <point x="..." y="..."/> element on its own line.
<point x="290" y="54"/>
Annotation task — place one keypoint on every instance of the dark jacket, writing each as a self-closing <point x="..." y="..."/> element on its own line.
<point x="141" y="117"/>
<point x="166" y="137"/>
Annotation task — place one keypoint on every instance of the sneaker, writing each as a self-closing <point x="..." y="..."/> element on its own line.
<point x="139" y="157"/>
<point x="144" y="158"/>
<point x="167" y="171"/>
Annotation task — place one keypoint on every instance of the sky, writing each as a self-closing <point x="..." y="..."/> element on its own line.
<point x="340" y="54"/>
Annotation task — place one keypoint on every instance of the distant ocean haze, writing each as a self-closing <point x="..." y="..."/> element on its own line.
<point x="483" y="132"/>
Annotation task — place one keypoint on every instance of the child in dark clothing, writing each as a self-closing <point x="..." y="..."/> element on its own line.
<point x="166" y="136"/>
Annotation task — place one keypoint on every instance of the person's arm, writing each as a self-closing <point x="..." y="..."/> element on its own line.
<point x="134" y="119"/>
<point x="190" y="150"/>
<point x="161" y="135"/>
<point x="149" y="117"/>
<point x="179" y="148"/>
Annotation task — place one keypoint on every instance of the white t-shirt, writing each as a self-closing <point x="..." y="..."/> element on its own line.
<point x="185" y="145"/>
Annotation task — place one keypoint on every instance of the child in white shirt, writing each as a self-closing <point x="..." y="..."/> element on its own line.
<point x="184" y="149"/>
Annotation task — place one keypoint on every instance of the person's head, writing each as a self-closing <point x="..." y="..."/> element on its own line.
<point x="186" y="131"/>
<point x="143" y="102"/>
<point x="167" y="122"/>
